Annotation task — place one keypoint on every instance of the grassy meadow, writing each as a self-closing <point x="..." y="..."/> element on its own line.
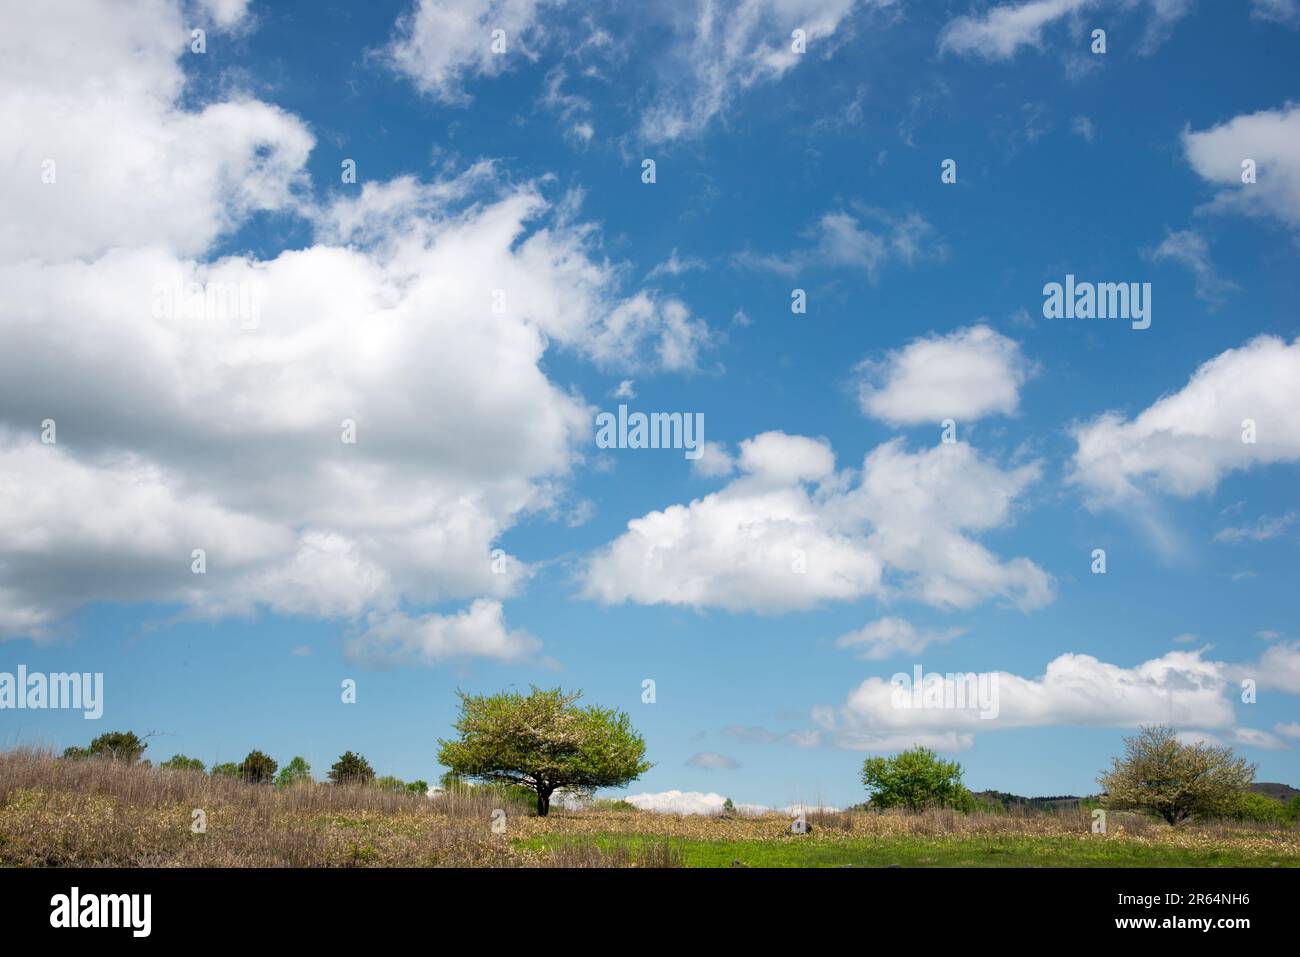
<point x="57" y="812"/>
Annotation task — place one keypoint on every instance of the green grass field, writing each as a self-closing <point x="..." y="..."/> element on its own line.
<point x="941" y="851"/>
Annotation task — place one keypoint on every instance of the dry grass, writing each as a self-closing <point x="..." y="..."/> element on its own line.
<point x="88" y="813"/>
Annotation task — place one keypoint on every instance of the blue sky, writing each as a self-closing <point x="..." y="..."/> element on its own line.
<point x="774" y="171"/>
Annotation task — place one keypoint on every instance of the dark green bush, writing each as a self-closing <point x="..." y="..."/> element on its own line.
<point x="257" y="768"/>
<point x="351" y="769"/>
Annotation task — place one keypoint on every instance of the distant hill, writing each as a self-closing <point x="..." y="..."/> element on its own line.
<point x="1282" y="792"/>
<point x="1057" y="802"/>
<point x="1070" y="802"/>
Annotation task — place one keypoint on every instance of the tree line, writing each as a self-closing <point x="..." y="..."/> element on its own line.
<point x="256" y="768"/>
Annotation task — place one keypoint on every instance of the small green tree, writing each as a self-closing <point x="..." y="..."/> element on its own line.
<point x="418" y="787"/>
<point x="257" y="768"/>
<point x="389" y="783"/>
<point x="179" y="762"/>
<point x="915" y="779"/>
<point x="1160" y="774"/>
<point x="227" y="769"/>
<point x="545" y="742"/>
<point x="297" y="771"/>
<point x="115" y="745"/>
<point x="351" y="769"/>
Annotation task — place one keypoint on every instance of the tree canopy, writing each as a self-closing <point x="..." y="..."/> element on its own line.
<point x="351" y="769"/>
<point x="915" y="779"/>
<point x="257" y="768"/>
<point x="1161" y="774"/>
<point x="297" y="771"/>
<point x="114" y="745"/>
<point x="543" y="741"/>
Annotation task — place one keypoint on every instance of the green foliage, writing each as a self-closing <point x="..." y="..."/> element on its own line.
<point x="228" y="769"/>
<point x="179" y="762"/>
<point x="297" y="771"/>
<point x="545" y="742"/>
<point x="390" y="783"/>
<point x="418" y="787"/>
<point x="114" y="745"/>
<point x="257" y="768"/>
<point x="1259" y="809"/>
<point x="1175" y="781"/>
<point x="915" y="779"/>
<point x="351" y="769"/>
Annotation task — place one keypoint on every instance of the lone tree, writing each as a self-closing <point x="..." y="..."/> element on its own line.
<point x="351" y="769"/>
<point x="297" y="771"/>
<point x="1174" y="780"/>
<point x="915" y="779"/>
<point x="257" y="768"/>
<point x="545" y="742"/>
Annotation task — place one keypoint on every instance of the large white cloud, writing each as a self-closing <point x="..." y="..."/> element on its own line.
<point x="94" y="90"/>
<point x="965" y="375"/>
<point x="201" y="404"/>
<point x="1272" y="139"/>
<point x="790" y="533"/>
<point x="1186" y="442"/>
<point x="1181" y="689"/>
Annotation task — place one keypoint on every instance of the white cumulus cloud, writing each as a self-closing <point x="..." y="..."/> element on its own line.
<point x="1269" y="137"/>
<point x="790" y="533"/>
<point x="1186" y="442"/>
<point x="1180" y="688"/>
<point x="965" y="375"/>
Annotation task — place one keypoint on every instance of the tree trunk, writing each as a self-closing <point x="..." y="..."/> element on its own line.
<point x="543" y="801"/>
